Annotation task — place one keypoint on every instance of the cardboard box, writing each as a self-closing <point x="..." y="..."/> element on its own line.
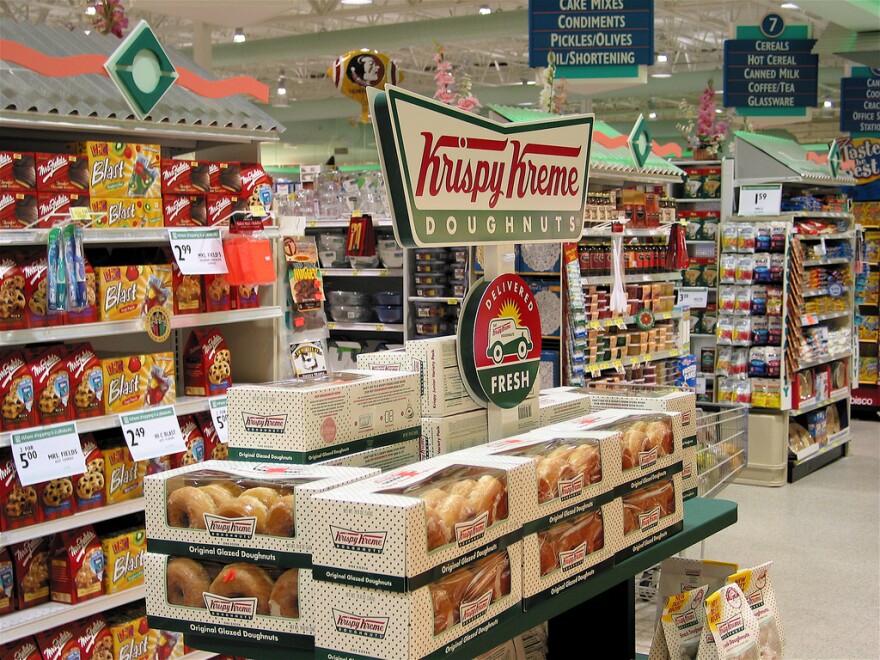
<point x="219" y="613"/>
<point x="76" y="566"/>
<point x="21" y="649"/>
<point x="30" y="561"/>
<point x="185" y="210"/>
<point x="651" y="511"/>
<point x="561" y="404"/>
<point x="128" y="292"/>
<point x="389" y="457"/>
<point x="124" y="553"/>
<point x="7" y="583"/>
<point x="89" y="487"/>
<point x="405" y="528"/>
<point x="130" y="634"/>
<point x="17" y="171"/>
<point x="444" y="435"/>
<point x="185" y="177"/>
<point x="94" y="637"/>
<point x="126" y="212"/>
<point x="362" y="622"/>
<point x="220" y="206"/>
<point x="207" y="363"/>
<point x="21" y="506"/>
<point x="52" y="207"/>
<point x="229" y="533"/>
<point x="59" y="643"/>
<point x="62" y="173"/>
<point x="690" y="473"/>
<point x="123" y="476"/>
<point x="86" y="381"/>
<point x="118" y="169"/>
<point x="18" y="209"/>
<point x="37" y="313"/>
<point x="225" y="177"/>
<point x="51" y="386"/>
<point x="135" y="382"/>
<point x="311" y="420"/>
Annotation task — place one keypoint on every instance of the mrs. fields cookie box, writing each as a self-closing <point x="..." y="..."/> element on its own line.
<point x="311" y="420"/>
<point x="233" y="511"/>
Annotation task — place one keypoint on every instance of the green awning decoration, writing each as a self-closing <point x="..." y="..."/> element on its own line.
<point x="786" y="159"/>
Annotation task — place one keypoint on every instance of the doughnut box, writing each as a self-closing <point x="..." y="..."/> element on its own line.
<point x="389" y="457"/>
<point x="438" y="617"/>
<point x="652" y="510"/>
<point x="312" y="420"/>
<point x="240" y="602"/>
<point x="405" y="528"/>
<point x="233" y="511"/>
<point x="561" y="404"/>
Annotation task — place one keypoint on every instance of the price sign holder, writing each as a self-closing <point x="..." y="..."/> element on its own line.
<point x="80" y="213"/>
<point x="361" y="239"/>
<point x="760" y="200"/>
<point x="47" y="453"/>
<point x="198" y="251"/>
<point x="151" y="433"/>
<point x="220" y="417"/>
<point x="693" y="298"/>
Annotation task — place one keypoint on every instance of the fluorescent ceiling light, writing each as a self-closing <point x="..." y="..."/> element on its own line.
<point x="789" y="5"/>
<point x="91" y="10"/>
<point x="652" y="115"/>
<point x="661" y="57"/>
<point x="239" y="37"/>
<point x="828" y="103"/>
<point x="485" y="10"/>
<point x="356" y="2"/>
<point x="661" y="74"/>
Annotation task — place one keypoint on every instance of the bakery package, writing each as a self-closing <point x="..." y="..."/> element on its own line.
<point x="20" y="504"/>
<point x="55" y="206"/>
<point x="61" y="173"/>
<point x="88" y="487"/>
<point x="217" y="293"/>
<point x="17" y="406"/>
<point x="76" y="565"/>
<point x="185" y="210"/>
<point x="652" y="509"/>
<point x="86" y="381"/>
<point x="207" y="363"/>
<point x="30" y="565"/>
<point x="34" y="269"/>
<point x="194" y="440"/>
<point x="389" y="457"/>
<point x="690" y="473"/>
<point x="405" y="528"/>
<point x="239" y="601"/>
<point x="315" y="419"/>
<point x="56" y="498"/>
<point x="231" y="511"/>
<point x="561" y="404"/>
<point x="444" y="435"/>
<point x="361" y="622"/>
<point x="51" y="385"/>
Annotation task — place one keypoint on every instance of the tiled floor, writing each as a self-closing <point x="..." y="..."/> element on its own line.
<point x="822" y="534"/>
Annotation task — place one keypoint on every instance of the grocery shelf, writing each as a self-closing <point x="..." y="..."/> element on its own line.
<point x="696" y="200"/>
<point x="868" y="340"/>
<point x="824" y="360"/>
<point x="634" y="232"/>
<point x="809" y="293"/>
<point x="185" y="405"/>
<point x="631" y="360"/>
<point x="598" y="324"/>
<point x="48" y="615"/>
<point x="700" y="242"/>
<point x="831" y="236"/>
<point x="199" y="655"/>
<point x="135" y="235"/>
<point x="813" y="319"/>
<point x="702" y="335"/>
<point x="362" y="272"/>
<point x="825" y="261"/>
<point x="87" y="331"/>
<point x="108" y="512"/>
<point x="834" y="448"/>
<point x="837" y="395"/>
<point x="820" y="214"/>
<point x="428" y="299"/>
<point x="633" y="278"/>
<point x="366" y="327"/>
<point x="342" y="223"/>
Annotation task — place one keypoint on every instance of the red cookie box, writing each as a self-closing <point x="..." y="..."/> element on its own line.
<point x="37" y="312"/>
<point x="21" y="649"/>
<point x="220" y="206"/>
<point x="51" y="386"/>
<point x="61" y="643"/>
<point x="225" y="177"/>
<point x="95" y="639"/>
<point x="194" y="440"/>
<point x="185" y="210"/>
<point x="7" y="583"/>
<point x="86" y="381"/>
<point x="88" y="487"/>
<point x="62" y="173"/>
<point x="217" y="293"/>
<point x="214" y="448"/>
<point x="207" y="363"/>
<point x="30" y="564"/>
<point x="17" y="171"/>
<point x="53" y="207"/>
<point x="77" y="565"/>
<point x="56" y="498"/>
<point x="20" y="504"/>
<point x="187" y="291"/>
<point x="18" y="210"/>
<point x="185" y="177"/>
<point x="244" y="296"/>
<point x="12" y="293"/>
<point x="17" y="408"/>
<point x="252" y="177"/>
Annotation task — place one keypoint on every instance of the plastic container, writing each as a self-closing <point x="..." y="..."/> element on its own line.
<point x="331" y="250"/>
<point x="388" y="298"/>
<point x="459" y="289"/>
<point x="458" y="255"/>
<point x="350" y="313"/>
<point x="348" y="298"/>
<point x="364" y="262"/>
<point x="430" y="310"/>
<point x="432" y="254"/>
<point x="390" y="253"/>
<point x="389" y="313"/>
<point x="436" y="280"/>
<point x="431" y="267"/>
<point x="432" y="291"/>
<point x="458" y="271"/>
<point x="432" y="328"/>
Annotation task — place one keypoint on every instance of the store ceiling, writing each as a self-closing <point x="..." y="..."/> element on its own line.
<point x="300" y="38"/>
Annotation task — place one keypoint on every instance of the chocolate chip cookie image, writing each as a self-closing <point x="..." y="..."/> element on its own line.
<point x="57" y="491"/>
<point x="218" y="289"/>
<point x="21" y="501"/>
<point x="37" y="303"/>
<point x="12" y="407"/>
<point x="83" y="397"/>
<point x="219" y="372"/>
<point x="12" y="301"/>
<point x="89" y="485"/>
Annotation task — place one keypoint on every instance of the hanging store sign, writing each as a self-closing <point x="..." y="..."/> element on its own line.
<point x="456" y="178"/>
<point x="591" y="33"/>
<point x="770" y="70"/>
<point x="860" y="102"/>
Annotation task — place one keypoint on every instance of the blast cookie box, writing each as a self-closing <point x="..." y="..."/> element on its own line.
<point x="406" y="528"/>
<point x="312" y="420"/>
<point x="232" y="511"/>
<point x="368" y="623"/>
<point x="256" y="603"/>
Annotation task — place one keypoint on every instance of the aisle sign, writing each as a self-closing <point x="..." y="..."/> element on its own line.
<point x="860" y="102"/>
<point x="198" y="251"/>
<point x="152" y="433"/>
<point x="220" y="417"/>
<point x="770" y="69"/>
<point x="47" y="453"/>
<point x="591" y="33"/>
<point x="760" y="200"/>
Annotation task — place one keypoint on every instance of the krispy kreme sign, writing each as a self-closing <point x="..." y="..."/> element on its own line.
<point x="459" y="179"/>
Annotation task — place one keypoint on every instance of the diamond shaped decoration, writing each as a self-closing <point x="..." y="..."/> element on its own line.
<point x="834" y="157"/>
<point x="141" y="69"/>
<point x="639" y="141"/>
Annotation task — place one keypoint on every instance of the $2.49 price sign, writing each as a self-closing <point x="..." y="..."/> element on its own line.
<point x="198" y="251"/>
<point x="51" y="452"/>
<point x="220" y="417"/>
<point x="151" y="433"/>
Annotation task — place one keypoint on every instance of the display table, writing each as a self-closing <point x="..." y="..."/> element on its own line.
<point x="599" y="610"/>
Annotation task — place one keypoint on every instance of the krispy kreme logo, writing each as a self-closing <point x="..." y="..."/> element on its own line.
<point x="349" y="539"/>
<point x="468" y="532"/>
<point x="365" y="626"/>
<point x="569" y="488"/>
<point x="173" y="208"/>
<point x="264" y="423"/>
<point x="171" y="174"/>
<point x="230" y="608"/>
<point x="685" y="620"/>
<point x="474" y="609"/>
<point x="649" y="519"/>
<point x="48" y="169"/>
<point x="734" y="625"/>
<point x="647" y="458"/>
<point x="573" y="558"/>
<point x="230" y="528"/>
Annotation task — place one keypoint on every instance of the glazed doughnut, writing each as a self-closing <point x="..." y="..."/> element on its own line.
<point x="246" y="507"/>
<point x="242" y="580"/>
<point x="284" y="599"/>
<point x="584" y="459"/>
<point x="444" y="609"/>
<point x="267" y="496"/>
<point x="185" y="582"/>
<point x="549" y="558"/>
<point x="436" y="530"/>
<point x="550" y="472"/>
<point x="187" y="507"/>
<point x="488" y="495"/>
<point x="455" y="585"/>
<point x="462" y="488"/>
<point x="659" y="435"/>
<point x="632" y="444"/>
<point x="454" y="509"/>
<point x="587" y="530"/>
<point x="218" y="493"/>
<point x="434" y="496"/>
<point x="279" y="518"/>
<point x="491" y="573"/>
<point x="563" y="452"/>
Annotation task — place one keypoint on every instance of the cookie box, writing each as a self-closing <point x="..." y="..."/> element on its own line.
<point x="18" y="210"/>
<point x="76" y="566"/>
<point x="220" y="207"/>
<point x="21" y="649"/>
<point x="652" y="509"/>
<point x="7" y="583"/>
<point x="184" y="210"/>
<point x="187" y="291"/>
<point x="405" y="528"/>
<point x="20" y="504"/>
<point x="56" y="498"/>
<point x="118" y="169"/>
<point x="225" y="177"/>
<point x="61" y="173"/>
<point x="51" y="386"/>
<point x="244" y="602"/>
<point x="17" y="171"/>
<point x="217" y="294"/>
<point x="184" y="177"/>
<point x="352" y="621"/>
<point x="124" y="552"/>
<point x="94" y="638"/>
<point x="207" y="363"/>
<point x="60" y="642"/>
<point x="569" y="552"/>
<point x="88" y="487"/>
<point x="126" y="212"/>
<point x="310" y="420"/>
<point x="12" y="293"/>
<point x="129" y="292"/>
<point x="37" y="313"/>
<point x="86" y="381"/>
<point x="231" y="511"/>
<point x="54" y="207"/>
<point x="30" y="565"/>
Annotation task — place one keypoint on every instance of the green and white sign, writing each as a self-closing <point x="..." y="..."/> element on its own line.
<point x="499" y="341"/>
<point x="220" y="417"/>
<point x="456" y="178"/>
<point x="48" y="453"/>
<point x="198" y="251"/>
<point x="639" y="141"/>
<point x="151" y="433"/>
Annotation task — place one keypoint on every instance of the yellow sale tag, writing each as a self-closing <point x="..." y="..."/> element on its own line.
<point x="620" y="323"/>
<point x="258" y="209"/>
<point x="79" y="213"/>
<point x="595" y="325"/>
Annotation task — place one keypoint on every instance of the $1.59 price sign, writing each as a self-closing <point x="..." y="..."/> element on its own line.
<point x="151" y="433"/>
<point x="51" y="452"/>
<point x="198" y="251"/>
<point x="760" y="200"/>
<point x="220" y="418"/>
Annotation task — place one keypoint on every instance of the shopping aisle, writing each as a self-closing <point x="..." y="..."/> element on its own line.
<point x="823" y="535"/>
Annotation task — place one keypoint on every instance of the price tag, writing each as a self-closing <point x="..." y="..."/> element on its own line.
<point x="258" y="210"/>
<point x="701" y="384"/>
<point x="595" y="372"/>
<point x="79" y="213"/>
<point x="595" y="325"/>
<point x="50" y="452"/>
<point x="198" y="251"/>
<point x="618" y="366"/>
<point x="810" y="319"/>
<point x="152" y="433"/>
<point x="620" y="323"/>
<point x="220" y="417"/>
<point x="760" y="200"/>
<point x="693" y="298"/>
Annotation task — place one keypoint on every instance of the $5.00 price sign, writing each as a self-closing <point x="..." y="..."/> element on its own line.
<point x="151" y="433"/>
<point x="220" y="418"/>
<point x="51" y="452"/>
<point x="198" y="251"/>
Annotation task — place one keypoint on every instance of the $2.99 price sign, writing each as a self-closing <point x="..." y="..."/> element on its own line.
<point x="220" y="418"/>
<point x="51" y="452"/>
<point x="152" y="433"/>
<point x="198" y="251"/>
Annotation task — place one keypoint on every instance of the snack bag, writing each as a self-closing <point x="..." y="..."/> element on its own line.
<point x="12" y="293"/>
<point x="758" y="589"/>
<point x="30" y="565"/>
<point x="86" y="381"/>
<point x="124" y="552"/>
<point x="217" y="293"/>
<point x="89" y="313"/>
<point x="732" y="630"/>
<point x="7" y="582"/>
<point x="77" y="565"/>
<point x="94" y="638"/>
<point x="60" y="643"/>
<point x="245" y="296"/>
<point x="51" y="386"/>
<point x="680" y="626"/>
<point x="20" y="504"/>
<point x="187" y="290"/>
<point x="88" y="487"/>
<point x="207" y="363"/>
